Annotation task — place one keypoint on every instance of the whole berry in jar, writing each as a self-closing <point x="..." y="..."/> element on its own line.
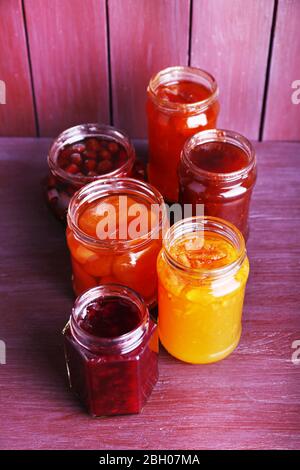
<point x="83" y="154"/>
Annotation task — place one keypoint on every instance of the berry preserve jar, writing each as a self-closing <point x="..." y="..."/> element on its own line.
<point x="181" y="102"/>
<point x="104" y="245"/>
<point x="111" y="351"/>
<point x="202" y="274"/>
<point x="83" y="154"/>
<point x="218" y="169"/>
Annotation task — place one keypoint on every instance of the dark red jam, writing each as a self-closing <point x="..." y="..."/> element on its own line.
<point x="220" y="175"/>
<point x="218" y="157"/>
<point x="110" y="317"/>
<point x="111" y="349"/>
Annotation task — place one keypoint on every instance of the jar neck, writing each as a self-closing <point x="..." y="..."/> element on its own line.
<point x="83" y="131"/>
<point x="120" y="187"/>
<point x="108" y="346"/>
<point x="200" y="225"/>
<point x="172" y="75"/>
<point x="223" y="137"/>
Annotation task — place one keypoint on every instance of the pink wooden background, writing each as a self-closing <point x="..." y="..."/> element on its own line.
<point x="70" y="61"/>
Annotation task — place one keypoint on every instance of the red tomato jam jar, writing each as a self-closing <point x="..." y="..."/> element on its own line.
<point x="218" y="169"/>
<point x="111" y="351"/>
<point x="181" y="102"/>
<point x="103" y="247"/>
<point x="83" y="154"/>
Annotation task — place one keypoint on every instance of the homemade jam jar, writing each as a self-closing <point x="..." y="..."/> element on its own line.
<point x="114" y="235"/>
<point x="218" y="169"/>
<point x="181" y="102"/>
<point x="111" y="351"/>
<point x="202" y="274"/>
<point x="83" y="154"/>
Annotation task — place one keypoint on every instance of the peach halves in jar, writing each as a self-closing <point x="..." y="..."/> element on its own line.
<point x="181" y="102"/>
<point x="114" y="235"/>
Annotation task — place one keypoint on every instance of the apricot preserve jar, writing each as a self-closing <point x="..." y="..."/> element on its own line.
<point x="111" y="351"/>
<point x="181" y="102"/>
<point x="114" y="235"/>
<point x="83" y="154"/>
<point x="218" y="169"/>
<point x="202" y="274"/>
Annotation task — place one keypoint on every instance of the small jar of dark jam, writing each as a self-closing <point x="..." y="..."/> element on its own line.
<point x="218" y="169"/>
<point x="111" y="350"/>
<point x="83" y="154"/>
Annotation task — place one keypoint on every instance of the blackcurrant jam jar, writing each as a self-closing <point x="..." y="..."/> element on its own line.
<point x="218" y="169"/>
<point x="111" y="351"/>
<point x="83" y="154"/>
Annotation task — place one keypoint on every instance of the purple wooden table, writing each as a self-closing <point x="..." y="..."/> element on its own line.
<point x="249" y="400"/>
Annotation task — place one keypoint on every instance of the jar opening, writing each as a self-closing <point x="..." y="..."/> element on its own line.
<point x="78" y="133"/>
<point x="199" y="227"/>
<point x="177" y="74"/>
<point x="121" y="187"/>
<point x="225" y="138"/>
<point x="114" y="311"/>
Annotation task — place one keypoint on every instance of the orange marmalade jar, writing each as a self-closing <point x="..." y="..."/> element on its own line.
<point x="202" y="274"/>
<point x="107" y="241"/>
<point x="181" y="102"/>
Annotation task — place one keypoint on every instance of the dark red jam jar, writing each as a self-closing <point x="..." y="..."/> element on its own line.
<point x="111" y="350"/>
<point x="218" y="169"/>
<point x="83" y="154"/>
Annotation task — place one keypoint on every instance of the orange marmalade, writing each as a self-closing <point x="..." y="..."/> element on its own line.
<point x="181" y="102"/>
<point x="202" y="275"/>
<point x="110" y="242"/>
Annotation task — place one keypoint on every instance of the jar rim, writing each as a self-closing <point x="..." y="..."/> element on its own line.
<point x="118" y="344"/>
<point x="223" y="136"/>
<point x="79" y="132"/>
<point x="170" y="74"/>
<point x="112" y="186"/>
<point x="202" y="224"/>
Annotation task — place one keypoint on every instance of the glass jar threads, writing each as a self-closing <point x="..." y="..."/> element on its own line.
<point x="218" y="169"/>
<point x="111" y="350"/>
<point x="114" y="235"/>
<point x="181" y="102"/>
<point x="83" y="154"/>
<point x="202" y="274"/>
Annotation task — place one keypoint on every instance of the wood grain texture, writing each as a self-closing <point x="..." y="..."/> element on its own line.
<point x="249" y="400"/>
<point x="17" y="115"/>
<point x="231" y="40"/>
<point x="145" y="37"/>
<point x="68" y="46"/>
<point x="282" y="121"/>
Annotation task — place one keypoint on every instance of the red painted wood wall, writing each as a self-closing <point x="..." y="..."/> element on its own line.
<point x="69" y="61"/>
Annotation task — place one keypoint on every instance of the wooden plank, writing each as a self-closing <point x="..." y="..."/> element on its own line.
<point x="68" y="46"/>
<point x="145" y="37"/>
<point x="282" y="121"/>
<point x="231" y="40"/>
<point x="17" y="114"/>
<point x="251" y="400"/>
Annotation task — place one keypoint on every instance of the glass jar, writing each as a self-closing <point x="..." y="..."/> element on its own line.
<point x="101" y="258"/>
<point x="83" y="154"/>
<point x="202" y="275"/>
<point x="111" y="351"/>
<point x="218" y="169"/>
<point x="181" y="102"/>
